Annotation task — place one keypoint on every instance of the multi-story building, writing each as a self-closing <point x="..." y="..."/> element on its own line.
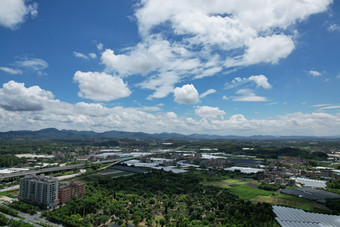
<point x="39" y="190"/>
<point x="67" y="190"/>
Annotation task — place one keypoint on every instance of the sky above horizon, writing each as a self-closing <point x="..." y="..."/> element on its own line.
<point x="224" y="67"/>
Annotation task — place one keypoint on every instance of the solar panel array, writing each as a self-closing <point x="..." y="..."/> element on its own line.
<point x="291" y="217"/>
<point x="311" y="194"/>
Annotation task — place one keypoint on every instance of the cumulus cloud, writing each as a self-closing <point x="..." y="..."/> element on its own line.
<point x="11" y="70"/>
<point x="314" y="73"/>
<point x="187" y="94"/>
<point x="259" y="15"/>
<point x="248" y="95"/>
<point x="16" y="97"/>
<point x="208" y="112"/>
<point x="261" y="81"/>
<point x="208" y="92"/>
<point x="258" y="80"/>
<point x="33" y="108"/>
<point x="100" y="86"/>
<point x="254" y="32"/>
<point x="15" y="12"/>
<point x="269" y="49"/>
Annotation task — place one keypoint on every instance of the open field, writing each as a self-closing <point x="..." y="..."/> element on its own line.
<point x="10" y="194"/>
<point x="286" y="200"/>
<point x="337" y="191"/>
<point x="246" y="189"/>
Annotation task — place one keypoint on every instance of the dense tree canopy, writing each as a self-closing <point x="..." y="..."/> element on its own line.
<point x="160" y="198"/>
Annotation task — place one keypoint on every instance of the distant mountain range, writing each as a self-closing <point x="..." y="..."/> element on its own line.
<point x="55" y="134"/>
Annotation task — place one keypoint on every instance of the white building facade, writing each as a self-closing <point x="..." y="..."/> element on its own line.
<point x="39" y="190"/>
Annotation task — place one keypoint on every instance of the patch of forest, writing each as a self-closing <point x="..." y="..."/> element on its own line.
<point x="159" y="199"/>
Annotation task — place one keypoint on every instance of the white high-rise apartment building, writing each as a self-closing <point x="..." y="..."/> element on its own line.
<point x="39" y="190"/>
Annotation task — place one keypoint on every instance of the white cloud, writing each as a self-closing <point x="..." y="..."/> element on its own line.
<point x="338" y="76"/>
<point x="34" y="64"/>
<point x="15" y="97"/>
<point x="100" y="86"/>
<point x="11" y="70"/>
<point x="33" y="108"/>
<point x="247" y="95"/>
<point x="208" y="72"/>
<point x="84" y="56"/>
<point x="272" y="103"/>
<point x="79" y="55"/>
<point x="208" y="92"/>
<point x="187" y="94"/>
<point x="225" y="97"/>
<point x="92" y="55"/>
<point x="333" y="28"/>
<point x="163" y="84"/>
<point x="100" y="46"/>
<point x="256" y="31"/>
<point x="14" y="12"/>
<point x="269" y="49"/>
<point x="149" y="108"/>
<point x="153" y="55"/>
<point x="143" y="59"/>
<point x="320" y="105"/>
<point x="208" y="112"/>
<point x="314" y="73"/>
<point x="224" y="15"/>
<point x="259" y="80"/>
<point x="329" y="107"/>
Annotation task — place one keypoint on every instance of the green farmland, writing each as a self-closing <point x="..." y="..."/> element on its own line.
<point x="246" y="189"/>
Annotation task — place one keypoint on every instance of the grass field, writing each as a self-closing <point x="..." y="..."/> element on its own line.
<point x="247" y="189"/>
<point x="286" y="200"/>
<point x="337" y="191"/>
<point x="249" y="193"/>
<point x="10" y="194"/>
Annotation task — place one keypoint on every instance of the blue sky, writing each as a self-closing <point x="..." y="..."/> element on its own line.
<point x="224" y="67"/>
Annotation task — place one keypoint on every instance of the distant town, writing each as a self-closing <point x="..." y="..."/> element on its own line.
<point x="54" y="182"/>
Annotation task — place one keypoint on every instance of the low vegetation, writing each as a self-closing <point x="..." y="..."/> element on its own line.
<point x="8" y="211"/>
<point x="4" y="221"/>
<point x="24" y="207"/>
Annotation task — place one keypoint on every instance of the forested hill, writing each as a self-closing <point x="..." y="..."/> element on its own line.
<point x="55" y="134"/>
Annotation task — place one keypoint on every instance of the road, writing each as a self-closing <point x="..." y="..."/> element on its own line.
<point x="60" y="168"/>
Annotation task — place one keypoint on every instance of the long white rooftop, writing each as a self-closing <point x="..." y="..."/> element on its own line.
<point x="291" y="217"/>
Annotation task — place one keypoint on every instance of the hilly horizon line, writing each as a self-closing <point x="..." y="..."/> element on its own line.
<point x="49" y="133"/>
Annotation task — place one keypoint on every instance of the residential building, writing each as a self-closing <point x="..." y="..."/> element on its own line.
<point x="67" y="190"/>
<point x="39" y="190"/>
